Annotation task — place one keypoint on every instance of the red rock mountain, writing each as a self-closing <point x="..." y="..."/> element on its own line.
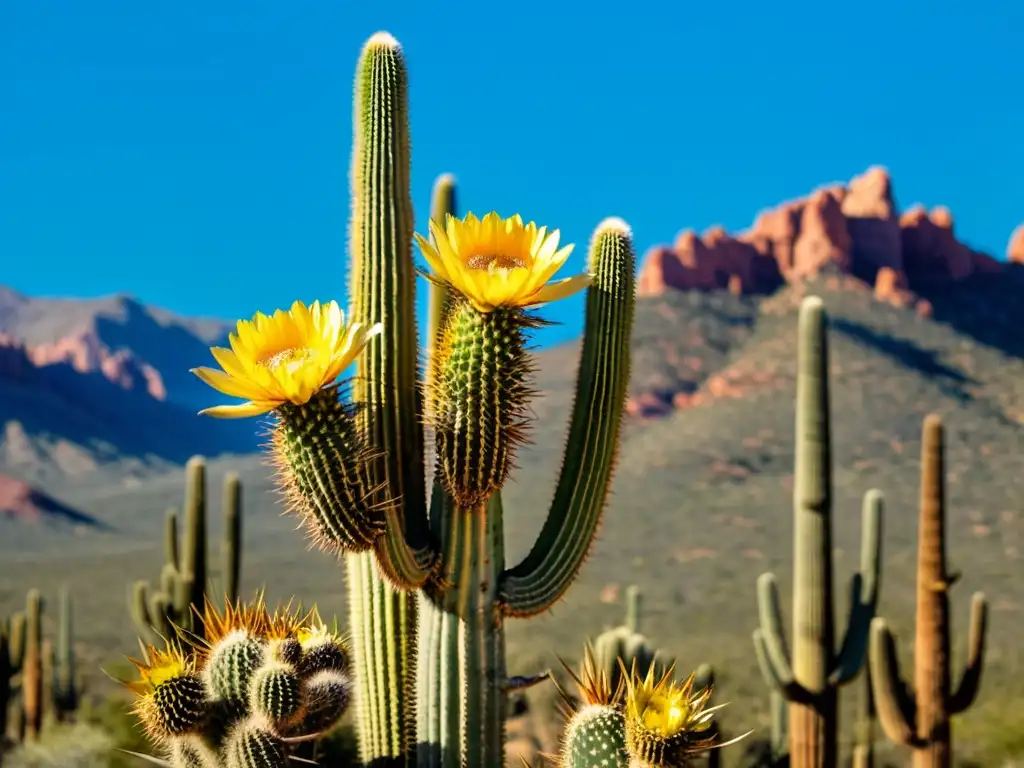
<point x="85" y="383"/>
<point x="853" y="229"/>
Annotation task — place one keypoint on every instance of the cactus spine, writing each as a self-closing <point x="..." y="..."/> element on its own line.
<point x="183" y="580"/>
<point x="810" y="678"/>
<point x="921" y="719"/>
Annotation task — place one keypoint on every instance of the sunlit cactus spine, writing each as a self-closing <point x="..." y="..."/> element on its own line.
<point x="627" y="643"/>
<point x="810" y="677"/>
<point x="184" y="578"/>
<point x="246" y="692"/>
<point x="919" y="717"/>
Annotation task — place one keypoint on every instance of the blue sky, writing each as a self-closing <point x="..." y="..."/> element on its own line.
<point x="196" y="155"/>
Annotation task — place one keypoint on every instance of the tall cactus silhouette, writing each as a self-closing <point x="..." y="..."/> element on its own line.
<point x="810" y="678"/>
<point x="183" y="580"/>
<point x="921" y="719"/>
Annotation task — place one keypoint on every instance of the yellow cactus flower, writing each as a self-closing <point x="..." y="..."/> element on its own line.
<point x="497" y="262"/>
<point x="667" y="721"/>
<point x="158" y="667"/>
<point x="283" y="358"/>
<point x="666" y="707"/>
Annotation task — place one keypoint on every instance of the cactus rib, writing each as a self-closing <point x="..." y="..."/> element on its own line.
<point x="543" y="576"/>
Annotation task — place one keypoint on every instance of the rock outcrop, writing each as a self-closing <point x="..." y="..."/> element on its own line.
<point x="854" y="229"/>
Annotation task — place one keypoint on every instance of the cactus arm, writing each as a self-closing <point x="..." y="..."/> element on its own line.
<point x="17" y="632"/>
<point x="893" y="706"/>
<point x="633" y="599"/>
<point x="65" y="677"/>
<point x="770" y="643"/>
<point x="864" y="588"/>
<point x="967" y="690"/>
<point x="138" y="607"/>
<point x="442" y="203"/>
<point x="171" y="538"/>
<point x="193" y="563"/>
<point x="544" y="575"/>
<point x="231" y="538"/>
<point x="383" y="286"/>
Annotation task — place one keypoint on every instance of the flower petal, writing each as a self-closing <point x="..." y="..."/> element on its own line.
<point x="226" y="384"/>
<point x="560" y="289"/>
<point x="240" y="411"/>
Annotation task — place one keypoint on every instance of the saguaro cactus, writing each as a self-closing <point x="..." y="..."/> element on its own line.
<point x="183" y="580"/>
<point x="355" y="471"/>
<point x="921" y="719"/>
<point x="456" y="555"/>
<point x="32" y="667"/>
<point x="65" y="681"/>
<point x="811" y="677"/>
<point x="864" y="735"/>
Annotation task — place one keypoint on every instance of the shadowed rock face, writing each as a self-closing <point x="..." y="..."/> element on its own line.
<point x="853" y="229"/>
<point x="22" y="502"/>
<point x="84" y="383"/>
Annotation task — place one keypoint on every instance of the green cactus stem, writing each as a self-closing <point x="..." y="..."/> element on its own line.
<point x="920" y="718"/>
<point x="480" y="398"/>
<point x="864" y="735"/>
<point x="544" y="575"/>
<point x="442" y="203"/>
<point x="183" y="579"/>
<point x="65" y="683"/>
<point x="810" y="678"/>
<point x="231" y="541"/>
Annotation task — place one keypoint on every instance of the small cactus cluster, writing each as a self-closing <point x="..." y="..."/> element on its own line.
<point x="247" y="691"/>
<point x="39" y="681"/>
<point x="183" y="579"/>
<point x="648" y="720"/>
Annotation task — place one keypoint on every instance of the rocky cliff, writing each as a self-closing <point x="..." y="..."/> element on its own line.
<point x="854" y="229"/>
